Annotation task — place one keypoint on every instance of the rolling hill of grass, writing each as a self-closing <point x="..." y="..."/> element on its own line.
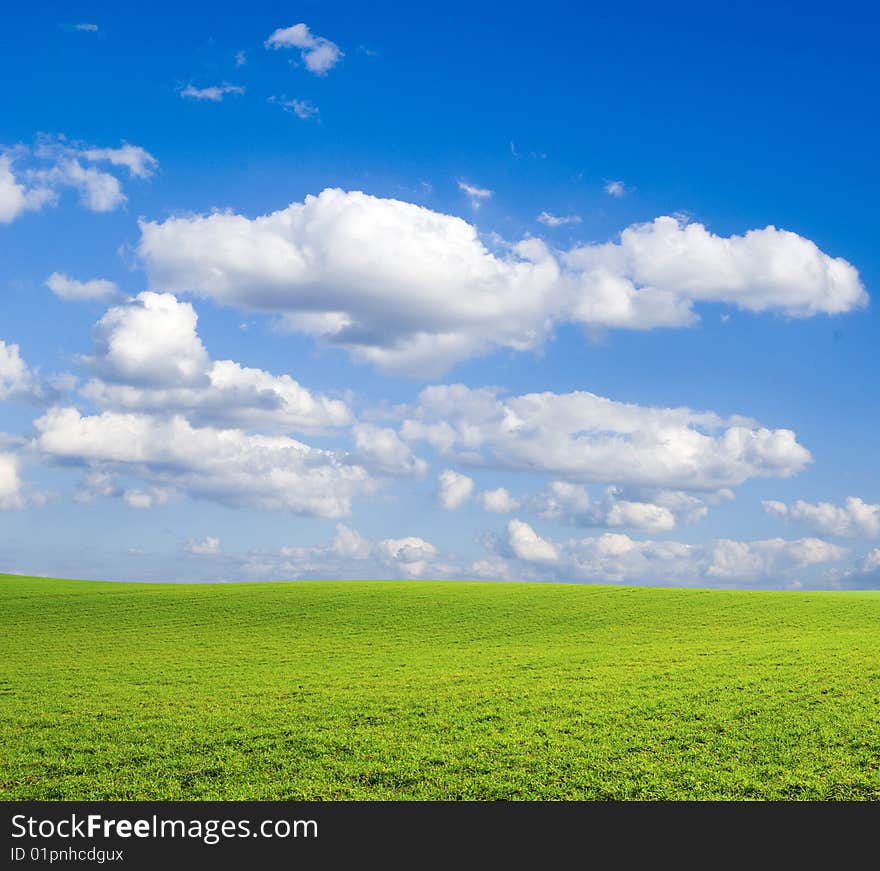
<point x="435" y="690"/>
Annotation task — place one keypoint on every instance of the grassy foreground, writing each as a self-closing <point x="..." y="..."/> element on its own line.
<point x="435" y="690"/>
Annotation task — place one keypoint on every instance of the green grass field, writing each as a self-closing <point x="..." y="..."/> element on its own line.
<point x="435" y="690"/>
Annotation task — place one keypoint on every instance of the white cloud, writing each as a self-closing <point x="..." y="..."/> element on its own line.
<point x="615" y="188"/>
<point x="494" y="568"/>
<point x="686" y="506"/>
<point x="72" y="290"/>
<point x="527" y="545"/>
<point x="644" y="516"/>
<point x="150" y="341"/>
<point x="475" y="194"/>
<point x="735" y="560"/>
<point x="872" y="560"/>
<point x="15" y="198"/>
<point x="223" y="465"/>
<point x="54" y="164"/>
<point x="453" y="490"/>
<point x="617" y="558"/>
<point x="498" y="501"/>
<point x="400" y="286"/>
<point x="556" y="220"/>
<point x="138" y="497"/>
<point x="213" y="93"/>
<point x="240" y="58"/>
<point x="563" y="500"/>
<point x="318" y="54"/>
<point x="349" y="544"/>
<point x="348" y="555"/>
<point x="301" y="108"/>
<point x="412" y="554"/>
<point x="95" y="484"/>
<point x="676" y="264"/>
<point x="209" y="547"/>
<point x="413" y="291"/>
<point x="12" y="194"/>
<point x="381" y="450"/>
<point x="855" y="518"/>
<point x="138" y="161"/>
<point x="865" y="574"/>
<point x="87" y="28"/>
<point x="18" y="382"/>
<point x="149" y="358"/>
<point x="570" y="503"/>
<point x="10" y="485"/>
<point x="98" y="191"/>
<point x="584" y="437"/>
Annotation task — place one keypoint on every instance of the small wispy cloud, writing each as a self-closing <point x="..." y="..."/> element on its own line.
<point x="615" y="188"/>
<point x="213" y="94"/>
<point x="318" y="54"/>
<point x="475" y="195"/>
<point x="66" y="288"/>
<point x="240" y="58"/>
<point x="57" y="163"/>
<point x="550" y="220"/>
<point x="301" y="108"/>
<point x="88" y="28"/>
<point x="139" y="162"/>
<point x="148" y="498"/>
<point x="209" y="547"/>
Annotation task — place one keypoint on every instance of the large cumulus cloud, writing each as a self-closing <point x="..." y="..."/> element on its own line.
<point x="413" y="291"/>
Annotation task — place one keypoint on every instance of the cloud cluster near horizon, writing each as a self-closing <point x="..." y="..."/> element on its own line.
<point x="524" y="554"/>
<point x="182" y="425"/>
<point x="618" y="558"/>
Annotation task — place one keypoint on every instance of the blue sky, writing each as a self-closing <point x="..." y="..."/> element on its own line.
<point x="587" y="296"/>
